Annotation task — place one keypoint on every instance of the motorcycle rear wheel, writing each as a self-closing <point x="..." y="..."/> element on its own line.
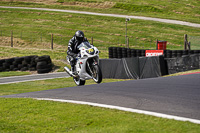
<point x="97" y="75"/>
<point x="78" y="81"/>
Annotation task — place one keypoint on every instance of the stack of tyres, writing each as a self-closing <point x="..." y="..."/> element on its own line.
<point x="142" y="52"/>
<point x="185" y="52"/>
<point x="128" y="53"/>
<point x="179" y="53"/>
<point x="194" y="61"/>
<point x="1" y="65"/>
<point x="114" y="52"/>
<point x="199" y="60"/>
<point x="44" y="64"/>
<point x="133" y="53"/>
<point x="172" y="65"/>
<point x="165" y="53"/>
<point x="17" y="63"/>
<point x="124" y="53"/>
<point x="119" y="52"/>
<point x="28" y="63"/>
<point x="32" y="64"/>
<point x="196" y="51"/>
<point x="110" y="50"/>
<point x="138" y="53"/>
<point x="174" y="53"/>
<point x="7" y="64"/>
<point x="168" y="54"/>
<point x="191" y="51"/>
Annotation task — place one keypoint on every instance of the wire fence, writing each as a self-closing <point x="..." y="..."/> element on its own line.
<point x="194" y="42"/>
<point x="33" y="39"/>
<point x="55" y="40"/>
<point x="60" y="41"/>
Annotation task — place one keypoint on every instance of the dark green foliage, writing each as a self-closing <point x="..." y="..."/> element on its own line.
<point x="60" y="1"/>
<point x="137" y="8"/>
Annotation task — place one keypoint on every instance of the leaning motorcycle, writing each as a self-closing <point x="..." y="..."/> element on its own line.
<point x="87" y="65"/>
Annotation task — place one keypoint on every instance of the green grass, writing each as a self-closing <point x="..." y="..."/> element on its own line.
<point x="137" y="8"/>
<point x="28" y="115"/>
<point x="172" y="9"/>
<point x="182" y="73"/>
<point x="13" y="73"/>
<point x="30" y="26"/>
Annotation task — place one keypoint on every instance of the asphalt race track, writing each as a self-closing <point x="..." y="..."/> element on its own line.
<point x="178" y="95"/>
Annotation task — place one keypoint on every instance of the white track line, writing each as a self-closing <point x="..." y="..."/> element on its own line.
<point x="125" y="109"/>
<point x="32" y="80"/>
<point x="31" y="75"/>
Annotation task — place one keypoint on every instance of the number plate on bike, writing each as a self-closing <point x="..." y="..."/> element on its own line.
<point x="90" y="51"/>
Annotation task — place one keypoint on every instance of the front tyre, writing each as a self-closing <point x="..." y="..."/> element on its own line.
<point x="78" y="81"/>
<point x="97" y="75"/>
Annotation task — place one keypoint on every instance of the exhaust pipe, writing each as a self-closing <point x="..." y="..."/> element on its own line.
<point x="68" y="71"/>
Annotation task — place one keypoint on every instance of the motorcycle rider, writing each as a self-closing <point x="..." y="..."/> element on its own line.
<point x="73" y="51"/>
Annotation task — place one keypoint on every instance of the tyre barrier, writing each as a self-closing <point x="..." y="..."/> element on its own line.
<point x="41" y="64"/>
<point x="119" y="52"/>
<point x="182" y="64"/>
<point x="147" y="67"/>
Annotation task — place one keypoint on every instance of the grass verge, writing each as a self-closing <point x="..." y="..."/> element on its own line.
<point x="13" y="73"/>
<point x="183" y="73"/>
<point x="34" y="28"/>
<point x="28" y="115"/>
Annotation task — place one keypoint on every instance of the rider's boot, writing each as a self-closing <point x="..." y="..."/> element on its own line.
<point x="73" y="70"/>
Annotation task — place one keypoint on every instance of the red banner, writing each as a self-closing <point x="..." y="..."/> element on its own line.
<point x="150" y="53"/>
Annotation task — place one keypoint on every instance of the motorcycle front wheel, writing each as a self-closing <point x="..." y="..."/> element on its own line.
<point x="78" y="81"/>
<point x="97" y="75"/>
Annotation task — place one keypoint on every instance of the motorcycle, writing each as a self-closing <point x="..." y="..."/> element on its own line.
<point x="87" y="65"/>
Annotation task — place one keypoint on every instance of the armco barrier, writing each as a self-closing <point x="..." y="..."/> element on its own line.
<point x="41" y="64"/>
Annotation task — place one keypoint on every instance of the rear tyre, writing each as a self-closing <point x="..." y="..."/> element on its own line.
<point x="78" y="81"/>
<point x="97" y="75"/>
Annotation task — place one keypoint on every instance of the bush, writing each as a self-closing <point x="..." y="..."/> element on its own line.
<point x="136" y="8"/>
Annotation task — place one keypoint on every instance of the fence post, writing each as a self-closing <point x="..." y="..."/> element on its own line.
<point x="189" y="46"/>
<point x="156" y="44"/>
<point x="11" y="38"/>
<point x="52" y="41"/>
<point x="127" y="42"/>
<point x="185" y="42"/>
<point x="92" y="40"/>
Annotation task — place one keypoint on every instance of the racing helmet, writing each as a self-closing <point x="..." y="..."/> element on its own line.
<point x="79" y="36"/>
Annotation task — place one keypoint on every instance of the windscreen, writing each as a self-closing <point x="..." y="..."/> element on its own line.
<point x="85" y="45"/>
